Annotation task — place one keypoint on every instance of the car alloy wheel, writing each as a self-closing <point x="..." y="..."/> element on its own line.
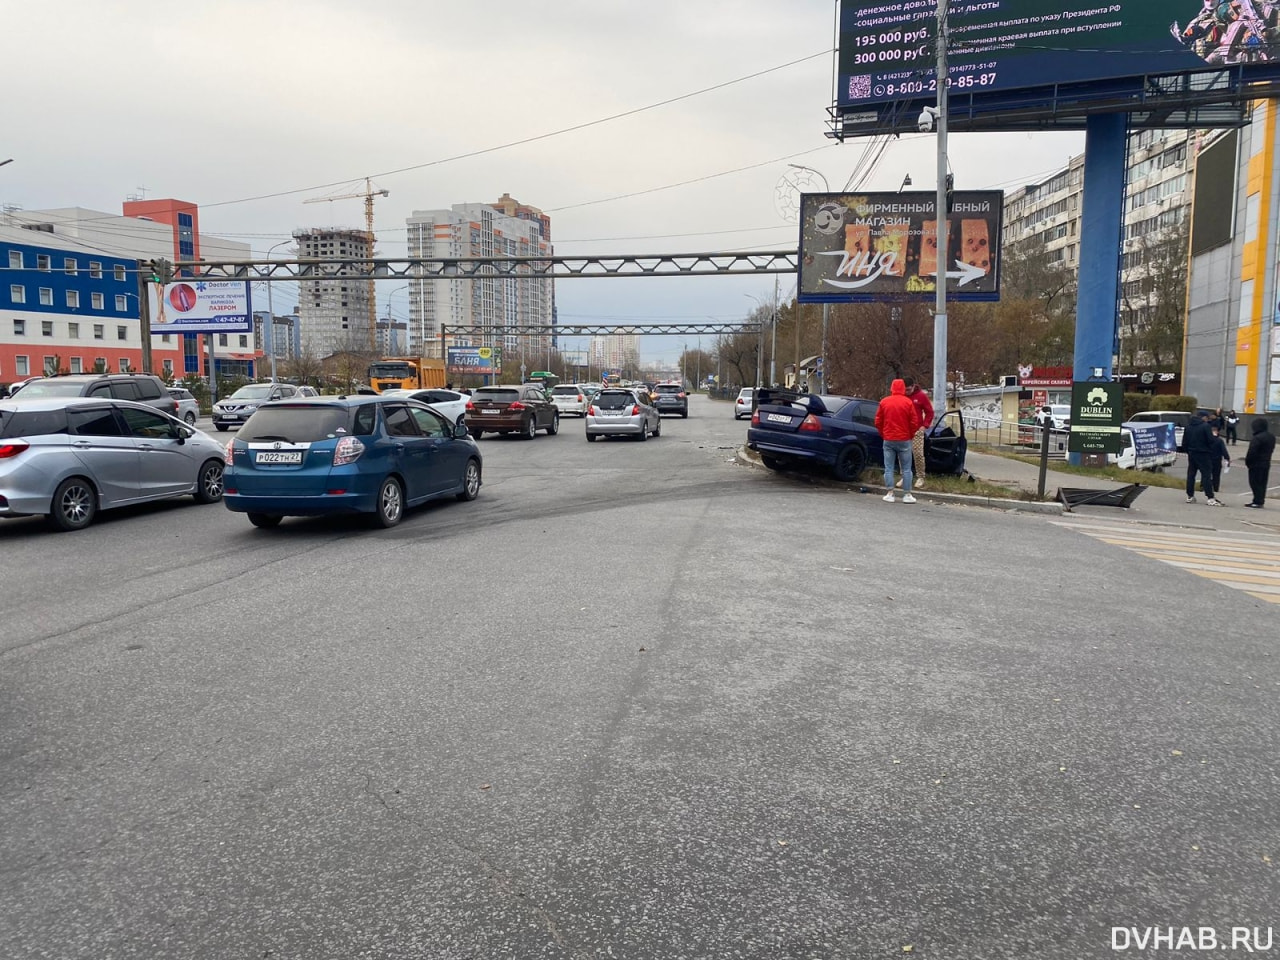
<point x="851" y="462"/>
<point x="530" y="428"/>
<point x="470" y="482"/>
<point x="390" y="508"/>
<point x="555" y="426"/>
<point x="74" y="505"/>
<point x="209" y="483"/>
<point x="190" y="418"/>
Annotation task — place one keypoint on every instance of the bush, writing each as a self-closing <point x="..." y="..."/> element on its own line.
<point x="1137" y="402"/>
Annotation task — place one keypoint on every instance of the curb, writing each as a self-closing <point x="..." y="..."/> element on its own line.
<point x="751" y="458"/>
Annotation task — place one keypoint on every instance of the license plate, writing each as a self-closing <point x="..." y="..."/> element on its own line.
<point x="490" y="411"/>
<point x="778" y="418"/>
<point x="279" y="456"/>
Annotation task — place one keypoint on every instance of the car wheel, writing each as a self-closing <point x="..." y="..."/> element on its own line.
<point x="644" y="432"/>
<point x="461" y="421"/>
<point x="74" y="505"/>
<point x="657" y="431"/>
<point x="591" y="438"/>
<point x="684" y="414"/>
<point x="209" y="482"/>
<point x="530" y="429"/>
<point x="190" y="418"/>
<point x="851" y="462"/>
<point x="390" y="507"/>
<point x="555" y="426"/>
<point x="265" y="521"/>
<point x="470" y="482"/>
<point x="221" y="428"/>
<point x="773" y="463"/>
<point x="476" y="433"/>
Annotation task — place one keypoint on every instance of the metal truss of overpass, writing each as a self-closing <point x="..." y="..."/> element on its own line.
<point x="607" y="329"/>
<point x="462" y="268"/>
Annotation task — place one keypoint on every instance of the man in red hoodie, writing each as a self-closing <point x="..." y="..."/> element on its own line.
<point x="897" y="420"/>
<point x="917" y="396"/>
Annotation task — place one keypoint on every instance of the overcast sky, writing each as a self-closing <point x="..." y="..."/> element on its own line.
<point x="224" y="101"/>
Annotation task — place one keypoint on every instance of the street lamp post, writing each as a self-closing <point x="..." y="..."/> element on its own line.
<point x="390" y="335"/>
<point x="271" y="314"/>
<point x="826" y="307"/>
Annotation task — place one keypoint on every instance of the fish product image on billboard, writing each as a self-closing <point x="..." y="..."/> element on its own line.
<point x="874" y="246"/>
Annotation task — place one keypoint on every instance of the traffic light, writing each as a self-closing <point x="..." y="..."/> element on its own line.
<point x="161" y="271"/>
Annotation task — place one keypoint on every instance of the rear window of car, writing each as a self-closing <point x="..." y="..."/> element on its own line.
<point x="669" y="388"/>
<point x="32" y="423"/>
<point x="745" y="394"/>
<point x="613" y="399"/>
<point x="496" y="395"/>
<point x="178" y="394"/>
<point x="147" y="389"/>
<point x="564" y="391"/>
<point x="297" y="424"/>
<point x="52" y="388"/>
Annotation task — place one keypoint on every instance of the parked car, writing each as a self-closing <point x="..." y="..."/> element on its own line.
<point x="1179" y="419"/>
<point x="364" y="453"/>
<point x="742" y="405"/>
<point x="618" y="412"/>
<point x="449" y="403"/>
<point x="570" y="398"/>
<point x="1057" y="415"/>
<point x="839" y="434"/>
<point x="188" y="407"/>
<point x="242" y="404"/>
<point x="69" y="457"/>
<point x="140" y="387"/>
<point x="671" y="398"/>
<point x="520" y="408"/>
<point x="305" y="391"/>
<point x="11" y="389"/>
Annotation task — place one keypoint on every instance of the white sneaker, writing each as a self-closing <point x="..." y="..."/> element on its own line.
<point x="888" y="497"/>
<point x="1213" y="503"/>
<point x="1191" y="499"/>
<point x="908" y="499"/>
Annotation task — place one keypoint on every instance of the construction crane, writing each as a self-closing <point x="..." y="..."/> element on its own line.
<point x="369" y="194"/>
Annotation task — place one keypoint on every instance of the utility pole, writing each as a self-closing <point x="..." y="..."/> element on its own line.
<point x="144" y="316"/>
<point x="940" y="303"/>
<point x="773" y="351"/>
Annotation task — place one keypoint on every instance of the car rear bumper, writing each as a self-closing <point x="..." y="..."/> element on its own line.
<point x="775" y="448"/>
<point x="622" y="428"/>
<point x="480" y="421"/>
<point x="352" y="501"/>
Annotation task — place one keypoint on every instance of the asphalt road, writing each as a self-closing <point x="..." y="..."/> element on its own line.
<point x="636" y="701"/>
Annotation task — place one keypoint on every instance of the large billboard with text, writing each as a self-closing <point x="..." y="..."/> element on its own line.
<point x="884" y="246"/>
<point x="998" y="50"/>
<point x="481" y="360"/>
<point x="200" y="306"/>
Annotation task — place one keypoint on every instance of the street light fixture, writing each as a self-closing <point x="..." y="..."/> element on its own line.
<point x="826" y="307"/>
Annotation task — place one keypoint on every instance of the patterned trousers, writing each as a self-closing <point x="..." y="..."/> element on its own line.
<point x="917" y="453"/>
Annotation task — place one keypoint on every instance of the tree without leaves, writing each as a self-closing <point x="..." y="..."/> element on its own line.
<point x="1153" y="317"/>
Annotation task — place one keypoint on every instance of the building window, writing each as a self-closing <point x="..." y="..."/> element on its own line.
<point x="168" y="368"/>
<point x="19" y="328"/>
<point x="97" y="300"/>
<point x="42" y="262"/>
<point x="124" y="364"/>
<point x="15" y="259"/>
<point x="17" y="293"/>
<point x="122" y="333"/>
<point x="165" y="337"/>
<point x="46" y="328"/>
<point x="22" y="366"/>
<point x="120" y="274"/>
<point x="95" y="269"/>
<point x="77" y="365"/>
<point x="50" y="366"/>
<point x="122" y="303"/>
<point x="222" y="339"/>
<point x="73" y="331"/>
<point x="100" y="365"/>
<point x="97" y="331"/>
<point x="244" y="341"/>
<point x="46" y="296"/>
<point x="69" y="265"/>
<point x="73" y="298"/>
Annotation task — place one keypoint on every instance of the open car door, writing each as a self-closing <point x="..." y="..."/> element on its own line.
<point x="945" y="444"/>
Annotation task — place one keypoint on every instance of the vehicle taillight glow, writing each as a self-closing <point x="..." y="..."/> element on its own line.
<point x="231" y="451"/>
<point x="12" y="449"/>
<point x="348" y="450"/>
<point x="755" y="419"/>
<point x="680" y="394"/>
<point x="635" y="411"/>
<point x="516" y="406"/>
<point x="591" y="410"/>
<point x="581" y="398"/>
<point x="471" y="407"/>
<point x="810" y="424"/>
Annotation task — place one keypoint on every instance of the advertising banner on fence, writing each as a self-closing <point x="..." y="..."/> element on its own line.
<point x="479" y="360"/>
<point x="1154" y="444"/>
<point x="877" y="246"/>
<point x="200" y="306"/>
<point x="1097" y="408"/>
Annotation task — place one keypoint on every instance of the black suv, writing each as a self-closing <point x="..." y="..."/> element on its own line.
<point x="671" y="398"/>
<point x="139" y="387"/>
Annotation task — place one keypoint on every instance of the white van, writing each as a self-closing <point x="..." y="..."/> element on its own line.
<point x="1157" y="445"/>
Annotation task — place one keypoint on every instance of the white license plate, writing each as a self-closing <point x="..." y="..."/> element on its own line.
<point x="490" y="411"/>
<point x="276" y="456"/>
<point x="778" y="418"/>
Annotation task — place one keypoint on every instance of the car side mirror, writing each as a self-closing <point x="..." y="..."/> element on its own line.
<point x="460" y="430"/>
<point x="276" y="395"/>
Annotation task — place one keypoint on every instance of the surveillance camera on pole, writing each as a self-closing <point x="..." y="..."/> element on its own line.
<point x="924" y="123"/>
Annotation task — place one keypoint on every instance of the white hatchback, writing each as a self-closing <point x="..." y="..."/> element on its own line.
<point x="570" y="398"/>
<point x="742" y="405"/>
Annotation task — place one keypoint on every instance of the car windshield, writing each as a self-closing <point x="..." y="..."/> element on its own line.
<point x="296" y="424"/>
<point x="52" y="388"/>
<point x="668" y="388"/>
<point x="564" y="391"/>
<point x="496" y="395"/>
<point x="745" y="395"/>
<point x="254" y="391"/>
<point x="614" y="399"/>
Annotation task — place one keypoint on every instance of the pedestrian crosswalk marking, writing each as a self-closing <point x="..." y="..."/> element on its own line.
<point x="1246" y="562"/>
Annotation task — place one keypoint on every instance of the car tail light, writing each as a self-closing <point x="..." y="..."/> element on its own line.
<point x="231" y="451"/>
<point x="591" y="410"/>
<point x="12" y="449"/>
<point x="810" y="424"/>
<point x="680" y="395"/>
<point x="516" y="406"/>
<point x="348" y="450"/>
<point x="175" y="407"/>
<point x="471" y="407"/>
<point x="755" y="419"/>
<point x="581" y="398"/>
<point x="635" y="411"/>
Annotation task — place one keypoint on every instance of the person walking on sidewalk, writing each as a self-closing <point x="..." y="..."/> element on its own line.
<point x="1197" y="440"/>
<point x="1218" y="453"/>
<point x="1231" y="419"/>
<point x="1258" y="460"/>
<point x="897" y="419"/>
<point x="924" y="408"/>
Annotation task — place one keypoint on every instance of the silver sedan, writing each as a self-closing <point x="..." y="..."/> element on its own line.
<point x="617" y="412"/>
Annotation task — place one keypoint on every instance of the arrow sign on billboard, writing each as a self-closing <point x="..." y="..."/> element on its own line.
<point x="965" y="273"/>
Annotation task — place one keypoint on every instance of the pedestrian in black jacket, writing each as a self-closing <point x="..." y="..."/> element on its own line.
<point x="1258" y="460"/>
<point x="1198" y="441"/>
<point x="1232" y="418"/>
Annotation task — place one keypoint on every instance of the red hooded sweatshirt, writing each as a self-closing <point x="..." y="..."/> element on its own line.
<point x="897" y="418"/>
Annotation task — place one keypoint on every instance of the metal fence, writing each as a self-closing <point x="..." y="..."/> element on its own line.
<point x="1015" y="436"/>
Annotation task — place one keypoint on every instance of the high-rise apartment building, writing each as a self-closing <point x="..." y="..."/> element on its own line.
<point x="479" y="312"/>
<point x="617" y="351"/>
<point x="334" y="312"/>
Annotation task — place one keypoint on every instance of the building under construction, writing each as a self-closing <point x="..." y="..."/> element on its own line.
<point x="334" y="313"/>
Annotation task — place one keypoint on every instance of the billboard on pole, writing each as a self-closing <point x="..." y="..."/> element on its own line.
<point x="883" y="246"/>
<point x="200" y="306"/>
<point x="480" y="360"/>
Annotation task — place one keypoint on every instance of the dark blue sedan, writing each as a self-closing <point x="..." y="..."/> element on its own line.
<point x="839" y="434"/>
<point x="355" y="454"/>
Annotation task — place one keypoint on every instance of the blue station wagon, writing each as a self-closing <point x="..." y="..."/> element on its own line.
<point x="354" y="454"/>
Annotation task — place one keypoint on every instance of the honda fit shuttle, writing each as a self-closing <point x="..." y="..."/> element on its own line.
<point x="356" y="454"/>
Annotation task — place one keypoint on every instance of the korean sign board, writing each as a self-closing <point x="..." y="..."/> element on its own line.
<point x="1097" y="409"/>
<point x="480" y="360"/>
<point x="200" y="306"/>
<point x="877" y="246"/>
